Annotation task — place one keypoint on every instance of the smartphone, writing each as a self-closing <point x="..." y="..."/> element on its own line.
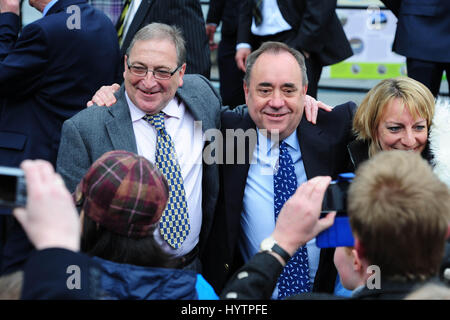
<point x="13" y="191"/>
<point x="335" y="199"/>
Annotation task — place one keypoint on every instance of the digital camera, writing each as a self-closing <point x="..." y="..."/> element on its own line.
<point x="13" y="189"/>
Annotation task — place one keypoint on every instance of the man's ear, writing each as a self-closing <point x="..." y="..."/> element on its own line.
<point x="182" y="72"/>
<point x="125" y="66"/>
<point x="359" y="249"/>
<point x="246" y="89"/>
<point x="357" y="264"/>
<point x="448" y="233"/>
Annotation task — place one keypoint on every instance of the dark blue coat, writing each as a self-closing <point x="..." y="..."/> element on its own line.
<point x="57" y="273"/>
<point x="48" y="74"/>
<point x="423" y="29"/>
<point x="125" y="281"/>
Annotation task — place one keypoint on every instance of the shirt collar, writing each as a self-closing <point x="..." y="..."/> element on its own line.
<point x="48" y="7"/>
<point x="291" y="141"/>
<point x="171" y="110"/>
<point x="357" y="290"/>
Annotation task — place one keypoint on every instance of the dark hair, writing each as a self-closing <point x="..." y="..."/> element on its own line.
<point x="100" y="242"/>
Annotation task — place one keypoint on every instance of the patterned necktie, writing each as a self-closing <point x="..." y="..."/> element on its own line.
<point x="120" y="23"/>
<point x="257" y="11"/>
<point x="174" y="225"/>
<point x="295" y="276"/>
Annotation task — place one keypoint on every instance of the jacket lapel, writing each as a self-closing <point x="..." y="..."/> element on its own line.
<point x="234" y="181"/>
<point x="315" y="154"/>
<point x="198" y="107"/>
<point x="120" y="127"/>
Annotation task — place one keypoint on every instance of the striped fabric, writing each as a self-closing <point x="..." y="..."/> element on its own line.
<point x="121" y="22"/>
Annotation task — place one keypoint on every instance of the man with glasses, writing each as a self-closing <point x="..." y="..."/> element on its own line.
<point x="155" y="116"/>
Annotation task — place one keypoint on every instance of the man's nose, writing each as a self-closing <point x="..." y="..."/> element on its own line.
<point x="276" y="100"/>
<point x="149" y="78"/>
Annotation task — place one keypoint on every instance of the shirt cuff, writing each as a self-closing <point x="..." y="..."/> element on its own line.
<point x="243" y="45"/>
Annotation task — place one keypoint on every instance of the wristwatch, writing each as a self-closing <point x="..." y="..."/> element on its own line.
<point x="269" y="244"/>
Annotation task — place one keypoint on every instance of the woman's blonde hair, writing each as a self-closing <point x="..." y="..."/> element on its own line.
<point x="414" y="95"/>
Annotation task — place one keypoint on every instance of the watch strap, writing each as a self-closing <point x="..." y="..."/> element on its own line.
<point x="280" y="251"/>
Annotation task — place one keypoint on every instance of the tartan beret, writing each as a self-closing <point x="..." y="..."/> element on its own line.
<point x="123" y="192"/>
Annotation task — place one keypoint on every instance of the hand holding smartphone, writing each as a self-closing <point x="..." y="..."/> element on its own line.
<point x="335" y="199"/>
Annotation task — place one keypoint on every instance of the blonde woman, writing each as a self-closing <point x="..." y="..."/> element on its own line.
<point x="395" y="114"/>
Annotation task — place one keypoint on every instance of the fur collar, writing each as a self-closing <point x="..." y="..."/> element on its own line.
<point x="439" y="140"/>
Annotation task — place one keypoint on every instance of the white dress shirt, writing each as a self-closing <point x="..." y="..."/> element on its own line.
<point x="272" y="22"/>
<point x="187" y="137"/>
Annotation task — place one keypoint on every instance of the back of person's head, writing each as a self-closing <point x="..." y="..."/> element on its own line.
<point x="122" y="198"/>
<point x="274" y="48"/>
<point x="430" y="291"/>
<point x="399" y="213"/>
<point x="416" y="97"/>
<point x="161" y="31"/>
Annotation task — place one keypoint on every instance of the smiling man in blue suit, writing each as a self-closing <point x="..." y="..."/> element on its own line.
<point x="47" y="74"/>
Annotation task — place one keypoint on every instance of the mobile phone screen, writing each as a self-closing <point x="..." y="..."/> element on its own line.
<point x="8" y="187"/>
<point x="335" y="198"/>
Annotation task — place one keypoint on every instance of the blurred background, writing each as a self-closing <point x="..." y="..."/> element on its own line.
<point x="370" y="28"/>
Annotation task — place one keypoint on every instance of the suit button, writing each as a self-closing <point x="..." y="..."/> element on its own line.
<point x="226" y="266"/>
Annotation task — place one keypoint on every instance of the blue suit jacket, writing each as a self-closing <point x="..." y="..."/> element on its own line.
<point x="423" y="29"/>
<point x="48" y="74"/>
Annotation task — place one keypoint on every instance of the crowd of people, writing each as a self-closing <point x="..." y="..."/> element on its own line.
<point x="164" y="188"/>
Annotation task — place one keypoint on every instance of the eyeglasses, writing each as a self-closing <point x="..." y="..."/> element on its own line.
<point x="159" y="74"/>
